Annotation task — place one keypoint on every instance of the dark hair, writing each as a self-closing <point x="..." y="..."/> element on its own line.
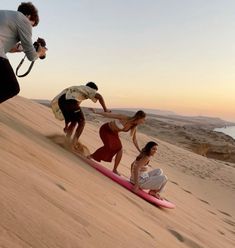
<point x="92" y="85"/>
<point x="29" y="9"/>
<point x="146" y="150"/>
<point x="139" y="115"/>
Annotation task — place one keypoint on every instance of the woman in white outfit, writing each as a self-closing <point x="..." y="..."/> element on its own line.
<point x="153" y="180"/>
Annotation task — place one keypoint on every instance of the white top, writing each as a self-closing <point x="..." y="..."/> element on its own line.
<point x="118" y="124"/>
<point x="81" y="93"/>
<point x="143" y="173"/>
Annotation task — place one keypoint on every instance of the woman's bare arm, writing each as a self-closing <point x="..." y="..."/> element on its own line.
<point x="111" y="115"/>
<point x="135" y="140"/>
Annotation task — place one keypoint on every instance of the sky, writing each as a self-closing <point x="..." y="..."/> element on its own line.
<point x="175" y="55"/>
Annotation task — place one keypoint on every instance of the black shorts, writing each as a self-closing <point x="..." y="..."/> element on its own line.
<point x="71" y="110"/>
<point x="9" y="85"/>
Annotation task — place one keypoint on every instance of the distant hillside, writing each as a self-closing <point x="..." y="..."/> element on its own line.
<point x="194" y="133"/>
<point x="43" y="102"/>
<point x="149" y="111"/>
<point x="169" y="117"/>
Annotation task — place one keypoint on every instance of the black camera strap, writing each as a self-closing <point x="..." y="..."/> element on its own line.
<point x="27" y="72"/>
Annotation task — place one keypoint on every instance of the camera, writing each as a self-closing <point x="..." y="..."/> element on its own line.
<point x="39" y="42"/>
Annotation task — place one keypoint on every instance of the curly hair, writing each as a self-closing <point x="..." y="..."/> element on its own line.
<point x="92" y="85"/>
<point x="28" y="9"/>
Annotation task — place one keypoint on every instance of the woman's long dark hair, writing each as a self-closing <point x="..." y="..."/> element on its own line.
<point x="146" y="150"/>
<point x="140" y="114"/>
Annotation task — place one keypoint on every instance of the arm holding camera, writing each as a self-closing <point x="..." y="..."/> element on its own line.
<point x="25" y="22"/>
<point x="32" y="50"/>
<point x="41" y="51"/>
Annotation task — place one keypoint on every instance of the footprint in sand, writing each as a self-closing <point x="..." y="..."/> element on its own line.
<point x="212" y="212"/>
<point x="222" y="233"/>
<point x="204" y="201"/>
<point x="190" y="243"/>
<point x="187" y="191"/>
<point x="230" y="222"/>
<point x="61" y="186"/>
<point x="224" y="213"/>
<point x="174" y="182"/>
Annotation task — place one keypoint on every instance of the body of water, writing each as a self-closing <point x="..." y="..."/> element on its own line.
<point x="227" y="130"/>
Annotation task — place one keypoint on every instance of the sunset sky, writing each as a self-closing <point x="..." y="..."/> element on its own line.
<point x="176" y="55"/>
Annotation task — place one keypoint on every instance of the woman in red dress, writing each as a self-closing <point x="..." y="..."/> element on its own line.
<point x="109" y="133"/>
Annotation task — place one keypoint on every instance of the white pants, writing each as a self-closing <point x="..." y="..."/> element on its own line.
<point x="156" y="180"/>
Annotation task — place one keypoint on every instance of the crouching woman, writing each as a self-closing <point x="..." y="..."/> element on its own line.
<point x="153" y="180"/>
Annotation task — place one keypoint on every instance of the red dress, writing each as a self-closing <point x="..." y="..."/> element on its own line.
<point x="112" y="144"/>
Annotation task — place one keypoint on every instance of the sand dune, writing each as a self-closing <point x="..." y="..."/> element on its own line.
<point x="50" y="198"/>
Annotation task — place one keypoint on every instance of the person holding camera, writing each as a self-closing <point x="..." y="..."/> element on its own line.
<point x="16" y="36"/>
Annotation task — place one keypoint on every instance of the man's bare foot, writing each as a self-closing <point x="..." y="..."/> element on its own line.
<point x="75" y="147"/>
<point x="116" y="172"/>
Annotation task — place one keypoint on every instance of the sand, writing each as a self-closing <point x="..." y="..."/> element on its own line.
<point x="50" y="198"/>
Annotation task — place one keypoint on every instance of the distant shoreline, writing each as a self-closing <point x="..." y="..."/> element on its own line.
<point x="228" y="130"/>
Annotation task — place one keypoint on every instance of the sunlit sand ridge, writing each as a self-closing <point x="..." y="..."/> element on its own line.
<point x="50" y="198"/>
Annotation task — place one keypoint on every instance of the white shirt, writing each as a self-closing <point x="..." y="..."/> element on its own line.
<point x="78" y="93"/>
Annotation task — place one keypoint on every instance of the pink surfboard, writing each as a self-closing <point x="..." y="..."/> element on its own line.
<point x="125" y="183"/>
